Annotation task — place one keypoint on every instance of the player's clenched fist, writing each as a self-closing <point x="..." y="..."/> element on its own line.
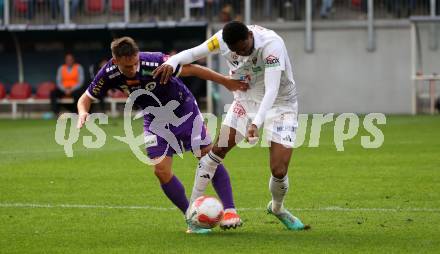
<point x="252" y="134"/>
<point x="234" y="85"/>
<point x="82" y="119"/>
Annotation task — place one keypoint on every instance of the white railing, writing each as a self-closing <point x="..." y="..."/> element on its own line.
<point x="95" y="12"/>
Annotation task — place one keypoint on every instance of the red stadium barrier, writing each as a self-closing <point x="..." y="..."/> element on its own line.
<point x="20" y="91"/>
<point x="117" y="5"/>
<point x="2" y="91"/>
<point x="44" y="89"/>
<point x="21" y="6"/>
<point x="356" y="3"/>
<point x="94" y="6"/>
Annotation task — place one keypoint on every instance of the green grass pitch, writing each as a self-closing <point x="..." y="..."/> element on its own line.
<point x="383" y="200"/>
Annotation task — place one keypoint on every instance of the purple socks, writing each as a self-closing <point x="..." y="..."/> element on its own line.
<point x="222" y="186"/>
<point x="176" y="193"/>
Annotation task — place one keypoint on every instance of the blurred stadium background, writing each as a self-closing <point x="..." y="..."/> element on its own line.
<point x="358" y="56"/>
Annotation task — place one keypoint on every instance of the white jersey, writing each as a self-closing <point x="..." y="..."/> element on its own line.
<point x="270" y="54"/>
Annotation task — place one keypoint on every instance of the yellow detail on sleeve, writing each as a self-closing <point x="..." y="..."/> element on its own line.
<point x="213" y="44"/>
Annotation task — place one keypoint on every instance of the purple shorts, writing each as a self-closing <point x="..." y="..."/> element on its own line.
<point x="167" y="139"/>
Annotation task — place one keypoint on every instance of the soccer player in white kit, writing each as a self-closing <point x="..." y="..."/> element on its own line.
<point x="259" y="57"/>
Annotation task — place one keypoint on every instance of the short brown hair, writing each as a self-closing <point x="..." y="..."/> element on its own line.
<point x="124" y="46"/>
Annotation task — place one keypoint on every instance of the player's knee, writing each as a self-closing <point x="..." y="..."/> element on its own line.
<point x="220" y="151"/>
<point x="205" y="150"/>
<point x="279" y="170"/>
<point x="163" y="174"/>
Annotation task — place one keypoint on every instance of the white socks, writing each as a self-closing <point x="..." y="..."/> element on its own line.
<point x="205" y="172"/>
<point x="278" y="188"/>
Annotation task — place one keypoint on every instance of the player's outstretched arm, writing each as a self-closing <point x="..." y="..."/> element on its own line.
<point x="84" y="104"/>
<point x="208" y="74"/>
<point x="188" y="56"/>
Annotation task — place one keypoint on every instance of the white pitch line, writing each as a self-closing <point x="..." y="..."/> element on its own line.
<point x="81" y="150"/>
<point x="331" y="208"/>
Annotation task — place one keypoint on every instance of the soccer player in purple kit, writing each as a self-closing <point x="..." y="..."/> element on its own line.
<point x="131" y="70"/>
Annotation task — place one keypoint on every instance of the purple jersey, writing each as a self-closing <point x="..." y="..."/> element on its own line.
<point x="110" y="77"/>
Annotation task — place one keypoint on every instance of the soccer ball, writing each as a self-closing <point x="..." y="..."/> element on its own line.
<point x="206" y="212"/>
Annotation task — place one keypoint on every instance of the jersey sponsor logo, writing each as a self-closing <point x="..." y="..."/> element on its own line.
<point x="257" y="69"/>
<point x="133" y="82"/>
<point x="114" y="75"/>
<point x="288" y="128"/>
<point x="147" y="72"/>
<point x="239" y="110"/>
<point x="150" y="86"/>
<point x="272" y="61"/>
<point x="150" y="140"/>
<point x="234" y="63"/>
<point x="213" y="44"/>
<point x="97" y="88"/>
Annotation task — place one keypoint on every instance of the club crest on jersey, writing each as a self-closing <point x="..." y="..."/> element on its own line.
<point x="272" y="61"/>
<point x="150" y="86"/>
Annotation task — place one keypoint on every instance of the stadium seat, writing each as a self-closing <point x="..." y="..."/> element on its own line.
<point x="117" y="6"/>
<point x="44" y="89"/>
<point x="20" y="91"/>
<point x="94" y="6"/>
<point x="2" y="91"/>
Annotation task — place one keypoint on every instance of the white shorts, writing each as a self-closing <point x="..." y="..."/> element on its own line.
<point x="280" y="125"/>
